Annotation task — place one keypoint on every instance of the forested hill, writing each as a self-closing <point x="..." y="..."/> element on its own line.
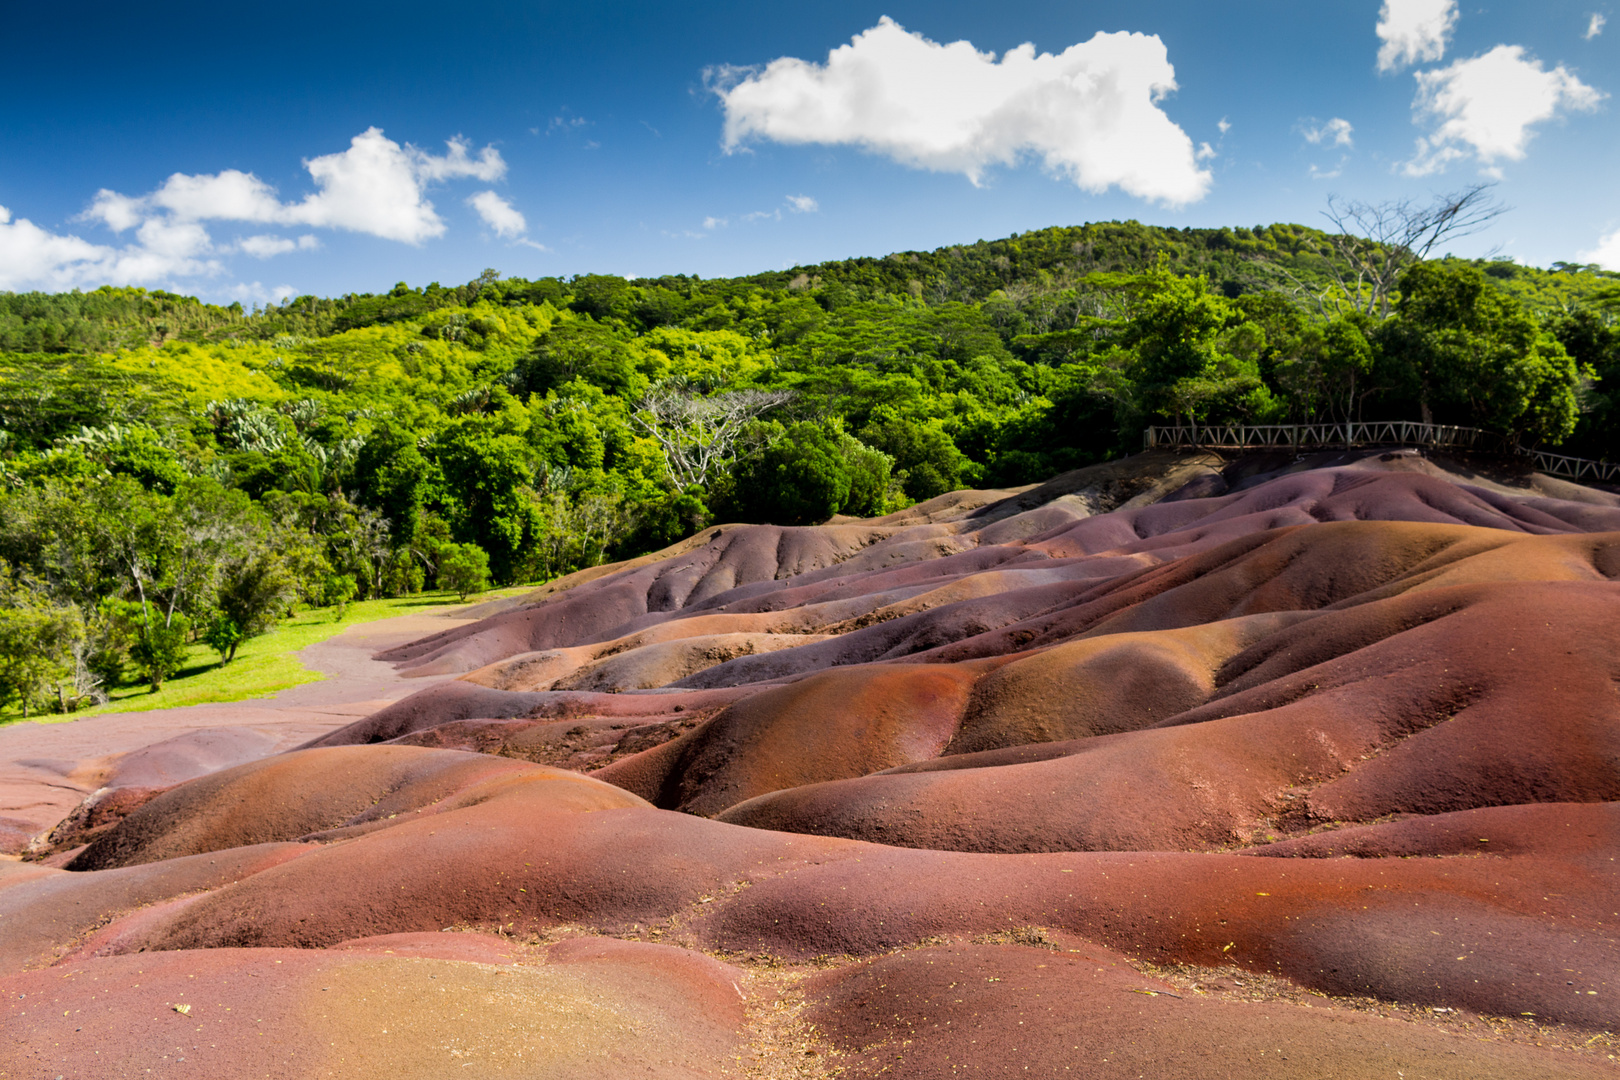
<point x="1292" y="259"/>
<point x="174" y="469"/>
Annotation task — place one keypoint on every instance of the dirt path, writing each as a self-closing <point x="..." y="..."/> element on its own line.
<point x="46" y="769"/>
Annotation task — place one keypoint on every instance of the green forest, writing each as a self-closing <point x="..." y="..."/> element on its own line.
<point x="176" y="471"/>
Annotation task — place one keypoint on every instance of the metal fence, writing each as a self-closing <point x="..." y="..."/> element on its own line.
<point x="1383" y="433"/>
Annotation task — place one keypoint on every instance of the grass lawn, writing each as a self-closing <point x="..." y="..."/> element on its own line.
<point x="263" y="665"/>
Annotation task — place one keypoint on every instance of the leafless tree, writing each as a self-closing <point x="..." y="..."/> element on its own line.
<point x="695" y="433"/>
<point x="1376" y="241"/>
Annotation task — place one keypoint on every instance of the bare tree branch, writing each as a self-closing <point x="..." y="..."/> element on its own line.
<point x="1377" y="241"/>
<point x="696" y="434"/>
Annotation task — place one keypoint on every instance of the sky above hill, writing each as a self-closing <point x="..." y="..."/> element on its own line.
<point x="250" y="153"/>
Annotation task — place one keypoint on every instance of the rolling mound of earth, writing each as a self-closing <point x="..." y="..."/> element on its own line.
<point x="1180" y="767"/>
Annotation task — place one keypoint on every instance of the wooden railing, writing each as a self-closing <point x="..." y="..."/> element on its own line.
<point x="1381" y="433"/>
<point x="1574" y="467"/>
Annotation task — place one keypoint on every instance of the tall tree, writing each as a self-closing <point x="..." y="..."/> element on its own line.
<point x="1376" y="242"/>
<point x="1470" y="354"/>
<point x="697" y="434"/>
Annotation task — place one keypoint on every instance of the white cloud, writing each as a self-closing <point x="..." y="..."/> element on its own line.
<point x="1224" y="126"/>
<point x="488" y="166"/>
<point x="230" y="195"/>
<point x="1485" y="107"/>
<point x="31" y="256"/>
<point x="376" y="186"/>
<point x="1091" y="112"/>
<point x="35" y="258"/>
<point x="1414" y="31"/>
<point x="1205" y="152"/>
<point x="1595" y="27"/>
<point x="1336" y="132"/>
<point x="256" y="293"/>
<point x="499" y="215"/>
<point x="1318" y="173"/>
<point x="1607" y="252"/>
<point x="564" y="124"/>
<point x="714" y="223"/>
<point x="267" y="246"/>
<point x="117" y="212"/>
<point x="802" y="204"/>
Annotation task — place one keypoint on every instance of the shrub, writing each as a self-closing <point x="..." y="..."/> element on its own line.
<point x="464" y="569"/>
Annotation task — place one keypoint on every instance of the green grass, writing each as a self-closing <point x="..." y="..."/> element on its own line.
<point x="263" y="665"/>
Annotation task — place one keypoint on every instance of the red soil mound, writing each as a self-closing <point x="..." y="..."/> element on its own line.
<point x="389" y="1008"/>
<point x="287" y="797"/>
<point x="830" y="725"/>
<point x="1500" y="934"/>
<point x="1428" y="702"/>
<point x="46" y="911"/>
<point x="450" y="702"/>
<point x="1005" y="1010"/>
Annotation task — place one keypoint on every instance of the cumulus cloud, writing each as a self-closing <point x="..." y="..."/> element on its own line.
<point x="230" y="196"/>
<point x="35" y="258"/>
<point x="268" y="246"/>
<point x="802" y="204"/>
<point x="1607" y="252"/>
<point x="499" y="215"/>
<point x="1336" y="132"/>
<point x="1414" y="31"/>
<point x="376" y="186"/>
<point x="1595" y="26"/>
<point x="488" y="166"/>
<point x="30" y="255"/>
<point x="1090" y="113"/>
<point x="1485" y="107"/>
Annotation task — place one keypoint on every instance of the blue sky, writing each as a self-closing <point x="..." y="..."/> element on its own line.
<point x="327" y="148"/>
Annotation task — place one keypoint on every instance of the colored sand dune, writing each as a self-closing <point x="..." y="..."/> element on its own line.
<point x="1178" y="767"/>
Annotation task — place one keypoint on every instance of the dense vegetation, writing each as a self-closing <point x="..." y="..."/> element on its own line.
<point x="178" y="471"/>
